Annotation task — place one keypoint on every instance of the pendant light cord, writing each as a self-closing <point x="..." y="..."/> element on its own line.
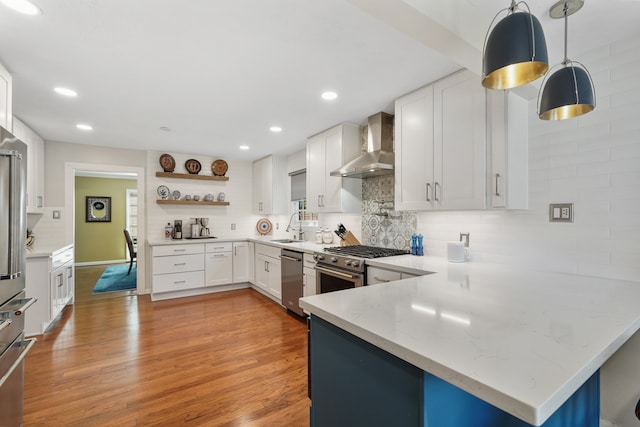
<point x="566" y="31"/>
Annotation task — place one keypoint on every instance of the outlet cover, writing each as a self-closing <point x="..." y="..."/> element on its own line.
<point x="561" y="212"/>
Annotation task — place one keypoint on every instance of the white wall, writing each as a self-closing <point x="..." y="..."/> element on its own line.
<point x="238" y="192"/>
<point x="593" y="162"/>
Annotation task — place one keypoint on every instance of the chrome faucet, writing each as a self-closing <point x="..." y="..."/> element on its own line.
<point x="299" y="232"/>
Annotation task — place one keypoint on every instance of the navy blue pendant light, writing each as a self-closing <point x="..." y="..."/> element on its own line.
<point x="568" y="91"/>
<point x="515" y="51"/>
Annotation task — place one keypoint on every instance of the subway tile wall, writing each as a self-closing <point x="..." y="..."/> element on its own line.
<point x="593" y="162"/>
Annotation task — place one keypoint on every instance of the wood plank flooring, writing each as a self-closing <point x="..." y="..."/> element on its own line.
<point x="226" y="359"/>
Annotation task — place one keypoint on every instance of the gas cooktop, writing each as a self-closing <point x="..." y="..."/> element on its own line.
<point x="363" y="251"/>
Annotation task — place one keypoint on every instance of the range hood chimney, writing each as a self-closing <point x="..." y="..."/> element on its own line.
<point x="379" y="158"/>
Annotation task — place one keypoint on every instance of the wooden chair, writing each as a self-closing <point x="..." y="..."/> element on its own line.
<point x="132" y="253"/>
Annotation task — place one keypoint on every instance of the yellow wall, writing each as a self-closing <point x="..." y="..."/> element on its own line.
<point x="101" y="241"/>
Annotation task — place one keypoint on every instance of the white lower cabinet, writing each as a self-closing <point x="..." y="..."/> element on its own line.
<point x="268" y="271"/>
<point x="308" y="276"/>
<point x="177" y="267"/>
<point x="199" y="268"/>
<point x="376" y="275"/>
<point x="218" y="264"/>
<point x="241" y="262"/>
<point x="50" y="279"/>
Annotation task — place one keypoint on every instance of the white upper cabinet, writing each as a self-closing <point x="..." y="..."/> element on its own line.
<point x="326" y="152"/>
<point x="440" y="145"/>
<point x="269" y="194"/>
<point x="35" y="165"/>
<point x="508" y="124"/>
<point x="6" y="100"/>
<point x="414" y="151"/>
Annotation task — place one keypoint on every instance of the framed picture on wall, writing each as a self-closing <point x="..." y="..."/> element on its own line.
<point x="98" y="209"/>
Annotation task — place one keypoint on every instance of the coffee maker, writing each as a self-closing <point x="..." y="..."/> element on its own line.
<point x="200" y="229"/>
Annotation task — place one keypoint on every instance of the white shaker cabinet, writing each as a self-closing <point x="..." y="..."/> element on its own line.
<point x="218" y="264"/>
<point x="326" y="152"/>
<point x="177" y="267"/>
<point x="6" y="99"/>
<point x="440" y="145"/>
<point x="269" y="179"/>
<point x="309" y="275"/>
<point x="268" y="271"/>
<point x="35" y="165"/>
<point x="508" y="177"/>
<point x="50" y="279"/>
<point x="240" y="262"/>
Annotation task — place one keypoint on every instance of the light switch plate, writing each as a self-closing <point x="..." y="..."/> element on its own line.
<point x="561" y="212"/>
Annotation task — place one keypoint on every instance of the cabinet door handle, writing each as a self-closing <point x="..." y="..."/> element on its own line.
<point x="380" y="280"/>
<point x="435" y="192"/>
<point x="61" y="280"/>
<point x="428" y="186"/>
<point x="319" y="204"/>
<point x="235" y="251"/>
<point x="40" y="204"/>
<point x="497" y="180"/>
<point x="70" y="272"/>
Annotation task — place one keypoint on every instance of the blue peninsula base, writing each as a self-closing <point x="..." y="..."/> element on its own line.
<point x="354" y="383"/>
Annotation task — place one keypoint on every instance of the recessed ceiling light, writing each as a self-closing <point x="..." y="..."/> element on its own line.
<point x="244" y="147"/>
<point x="329" y="96"/>
<point x="275" y="129"/>
<point x="84" y="127"/>
<point x="22" y="6"/>
<point x="66" y="92"/>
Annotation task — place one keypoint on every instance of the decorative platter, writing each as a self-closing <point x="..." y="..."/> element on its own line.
<point x="264" y="226"/>
<point x="163" y="192"/>
<point x="219" y="167"/>
<point x="193" y="166"/>
<point x="167" y="162"/>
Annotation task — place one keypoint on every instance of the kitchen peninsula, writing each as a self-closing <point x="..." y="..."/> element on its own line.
<point x="473" y="344"/>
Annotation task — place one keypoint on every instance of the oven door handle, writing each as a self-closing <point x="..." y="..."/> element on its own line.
<point x="27" y="344"/>
<point x="335" y="273"/>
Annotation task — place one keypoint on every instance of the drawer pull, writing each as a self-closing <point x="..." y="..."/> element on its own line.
<point x="219" y="255"/>
<point x="180" y="263"/>
<point x="28" y="303"/>
<point x="380" y="280"/>
<point x="179" y="250"/>
<point x="5" y="323"/>
<point x="179" y="281"/>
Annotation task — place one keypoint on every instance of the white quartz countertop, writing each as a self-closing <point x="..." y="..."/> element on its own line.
<point x="301" y="246"/>
<point x="40" y="251"/>
<point x="521" y="340"/>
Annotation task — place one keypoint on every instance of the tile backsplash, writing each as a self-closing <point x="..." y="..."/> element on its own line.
<point x="381" y="224"/>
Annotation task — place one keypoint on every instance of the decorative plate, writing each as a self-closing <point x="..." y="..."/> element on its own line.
<point x="264" y="226"/>
<point x="193" y="166"/>
<point x="219" y="167"/>
<point x="167" y="162"/>
<point x="176" y="195"/>
<point x="163" y="191"/>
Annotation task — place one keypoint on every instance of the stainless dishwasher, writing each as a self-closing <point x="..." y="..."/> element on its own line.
<point x="291" y="262"/>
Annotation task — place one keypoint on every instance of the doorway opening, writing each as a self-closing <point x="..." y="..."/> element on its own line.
<point x="91" y="239"/>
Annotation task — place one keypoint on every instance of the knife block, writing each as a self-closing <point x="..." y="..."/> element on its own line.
<point x="349" y="240"/>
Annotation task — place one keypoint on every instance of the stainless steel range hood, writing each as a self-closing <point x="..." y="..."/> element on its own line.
<point x="379" y="159"/>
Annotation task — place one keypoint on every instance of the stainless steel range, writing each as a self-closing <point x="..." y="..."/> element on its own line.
<point x="343" y="267"/>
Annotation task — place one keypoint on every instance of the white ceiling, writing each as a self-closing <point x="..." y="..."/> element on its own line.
<point x="220" y="73"/>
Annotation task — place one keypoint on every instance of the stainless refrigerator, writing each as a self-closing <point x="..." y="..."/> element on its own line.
<point x="13" y="258"/>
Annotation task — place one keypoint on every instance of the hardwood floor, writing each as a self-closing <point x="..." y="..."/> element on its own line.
<point x="226" y="359"/>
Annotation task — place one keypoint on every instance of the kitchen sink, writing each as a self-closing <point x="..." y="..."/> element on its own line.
<point x="284" y="241"/>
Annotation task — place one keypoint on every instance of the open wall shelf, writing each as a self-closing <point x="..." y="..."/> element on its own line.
<point x="191" y="176"/>
<point x="190" y="202"/>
